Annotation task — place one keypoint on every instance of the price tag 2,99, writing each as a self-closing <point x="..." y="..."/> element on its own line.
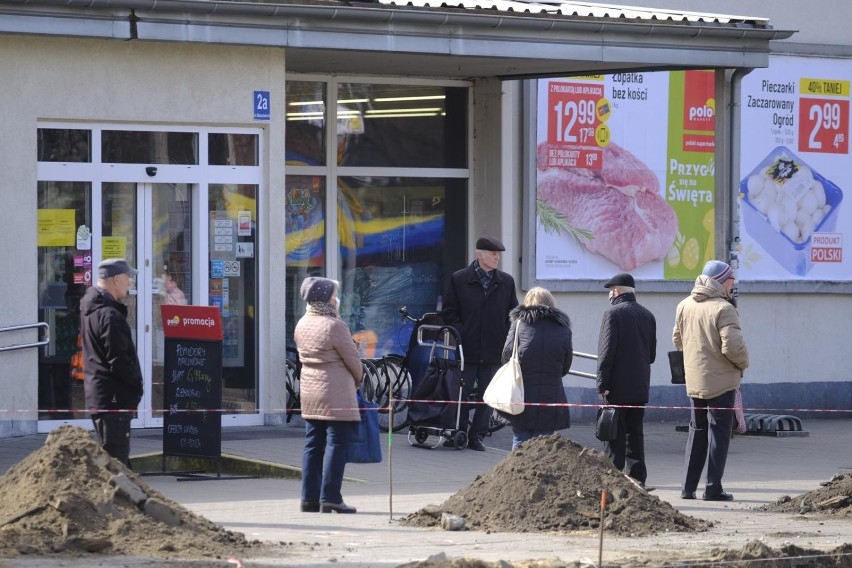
<point x="824" y="116"/>
<point x="824" y="126"/>
<point x="572" y="120"/>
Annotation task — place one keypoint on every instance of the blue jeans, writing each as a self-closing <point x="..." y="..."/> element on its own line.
<point x="324" y="459"/>
<point x="519" y="436"/>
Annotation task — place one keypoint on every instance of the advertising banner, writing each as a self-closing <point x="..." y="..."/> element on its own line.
<point x="796" y="168"/>
<point x="625" y="175"/>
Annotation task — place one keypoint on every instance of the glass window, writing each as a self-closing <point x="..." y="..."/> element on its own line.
<point x="64" y="145"/>
<point x="64" y="274"/>
<point x="401" y="126"/>
<point x="304" y="215"/>
<point x="305" y="131"/>
<point x="232" y="286"/>
<point x="233" y="150"/>
<point x="399" y="238"/>
<point x="171" y="226"/>
<point x="119" y="237"/>
<point x="143" y="147"/>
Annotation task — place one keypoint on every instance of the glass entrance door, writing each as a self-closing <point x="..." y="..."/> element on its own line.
<point x="193" y="236"/>
<point x="150" y="224"/>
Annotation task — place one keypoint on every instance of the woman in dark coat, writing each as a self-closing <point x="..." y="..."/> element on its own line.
<point x="545" y="351"/>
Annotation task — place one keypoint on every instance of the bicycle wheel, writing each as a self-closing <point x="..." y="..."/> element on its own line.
<point x="399" y="379"/>
<point x="291" y="384"/>
<point x="372" y="387"/>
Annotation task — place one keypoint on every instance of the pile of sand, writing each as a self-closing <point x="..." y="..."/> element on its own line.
<point x="554" y="484"/>
<point x="833" y="499"/>
<point x="71" y="497"/>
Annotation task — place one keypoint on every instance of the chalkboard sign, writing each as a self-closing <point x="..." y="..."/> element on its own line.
<point x="192" y="377"/>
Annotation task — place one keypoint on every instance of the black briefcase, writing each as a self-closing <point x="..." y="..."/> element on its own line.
<point x="606" y="426"/>
<point x="676" y="364"/>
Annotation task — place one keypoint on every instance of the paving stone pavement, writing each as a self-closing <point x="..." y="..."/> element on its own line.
<point x="760" y="469"/>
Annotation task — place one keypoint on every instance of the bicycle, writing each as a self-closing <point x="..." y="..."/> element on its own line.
<point x="291" y="383"/>
<point x="378" y="374"/>
<point x="382" y="377"/>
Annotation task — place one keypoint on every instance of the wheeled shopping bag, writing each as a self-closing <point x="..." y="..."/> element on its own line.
<point x="436" y="405"/>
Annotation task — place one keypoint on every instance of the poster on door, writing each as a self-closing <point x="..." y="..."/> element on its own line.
<point x="624" y="178"/>
<point x="795" y="171"/>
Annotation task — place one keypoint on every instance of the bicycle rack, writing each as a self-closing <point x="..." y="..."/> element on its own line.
<point x="774" y="424"/>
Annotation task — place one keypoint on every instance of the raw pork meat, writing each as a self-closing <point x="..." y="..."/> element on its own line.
<point x="620" y="205"/>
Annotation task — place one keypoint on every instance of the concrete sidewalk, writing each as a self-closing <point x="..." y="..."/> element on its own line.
<point x="760" y="469"/>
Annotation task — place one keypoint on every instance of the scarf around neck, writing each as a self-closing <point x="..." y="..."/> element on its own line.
<point x="322" y="309"/>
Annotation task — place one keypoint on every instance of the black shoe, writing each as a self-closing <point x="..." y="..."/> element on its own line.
<point x="310" y="507"/>
<point x="342" y="508"/>
<point x="687" y="494"/>
<point x="476" y="445"/>
<point x="722" y="496"/>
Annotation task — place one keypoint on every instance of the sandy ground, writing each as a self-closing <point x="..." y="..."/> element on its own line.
<point x="761" y="470"/>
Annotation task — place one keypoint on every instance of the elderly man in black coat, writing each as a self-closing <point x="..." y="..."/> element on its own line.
<point x="627" y="346"/>
<point x="477" y="303"/>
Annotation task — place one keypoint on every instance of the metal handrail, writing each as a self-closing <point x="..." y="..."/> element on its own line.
<point x="583" y="373"/>
<point x="38" y="343"/>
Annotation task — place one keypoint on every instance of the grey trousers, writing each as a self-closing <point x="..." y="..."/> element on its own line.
<point x="709" y="438"/>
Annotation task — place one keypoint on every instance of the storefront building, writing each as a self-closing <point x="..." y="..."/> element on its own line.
<point x="228" y="150"/>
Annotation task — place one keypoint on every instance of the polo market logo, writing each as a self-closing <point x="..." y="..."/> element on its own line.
<point x="705" y="112"/>
<point x="173" y="321"/>
<point x="699" y="103"/>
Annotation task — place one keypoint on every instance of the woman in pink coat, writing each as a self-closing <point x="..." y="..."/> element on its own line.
<point x="330" y="375"/>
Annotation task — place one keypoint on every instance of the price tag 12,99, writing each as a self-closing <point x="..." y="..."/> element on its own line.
<point x="824" y="120"/>
<point x="572" y="120"/>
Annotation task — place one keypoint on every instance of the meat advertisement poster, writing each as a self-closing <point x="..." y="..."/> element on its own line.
<point x="625" y="175"/>
<point x="796" y="171"/>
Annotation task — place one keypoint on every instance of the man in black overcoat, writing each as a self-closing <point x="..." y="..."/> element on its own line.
<point x="477" y="303"/>
<point x="627" y="346"/>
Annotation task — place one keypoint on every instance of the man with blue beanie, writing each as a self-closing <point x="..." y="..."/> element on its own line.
<point x="707" y="330"/>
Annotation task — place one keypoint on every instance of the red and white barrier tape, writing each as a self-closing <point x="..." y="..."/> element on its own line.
<point x="409" y="401"/>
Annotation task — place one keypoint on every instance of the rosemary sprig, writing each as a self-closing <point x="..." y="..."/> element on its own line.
<point x="552" y="221"/>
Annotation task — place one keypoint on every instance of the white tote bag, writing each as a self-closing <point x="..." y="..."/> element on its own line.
<point x="506" y="390"/>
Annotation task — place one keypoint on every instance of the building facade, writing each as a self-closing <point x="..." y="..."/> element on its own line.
<point x="229" y="153"/>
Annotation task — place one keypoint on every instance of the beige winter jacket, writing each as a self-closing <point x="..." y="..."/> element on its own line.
<point x="707" y="330"/>
<point x="331" y="368"/>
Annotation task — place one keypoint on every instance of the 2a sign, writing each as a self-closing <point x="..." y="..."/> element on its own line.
<point x="261" y="105"/>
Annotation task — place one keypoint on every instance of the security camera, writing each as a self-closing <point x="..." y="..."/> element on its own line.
<point x="151" y="171"/>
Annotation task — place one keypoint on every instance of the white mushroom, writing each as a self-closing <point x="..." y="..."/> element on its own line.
<point x="806" y="229"/>
<point x="776" y="215"/>
<point x="790" y="208"/>
<point x="791" y="229"/>
<point x="819" y="192"/>
<point x="808" y="202"/>
<point x="755" y="185"/>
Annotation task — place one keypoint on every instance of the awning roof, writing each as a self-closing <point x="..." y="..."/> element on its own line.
<point x="462" y="39"/>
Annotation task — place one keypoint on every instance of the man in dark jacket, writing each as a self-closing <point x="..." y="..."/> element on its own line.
<point x="477" y="303"/>
<point x="112" y="375"/>
<point x="627" y="346"/>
